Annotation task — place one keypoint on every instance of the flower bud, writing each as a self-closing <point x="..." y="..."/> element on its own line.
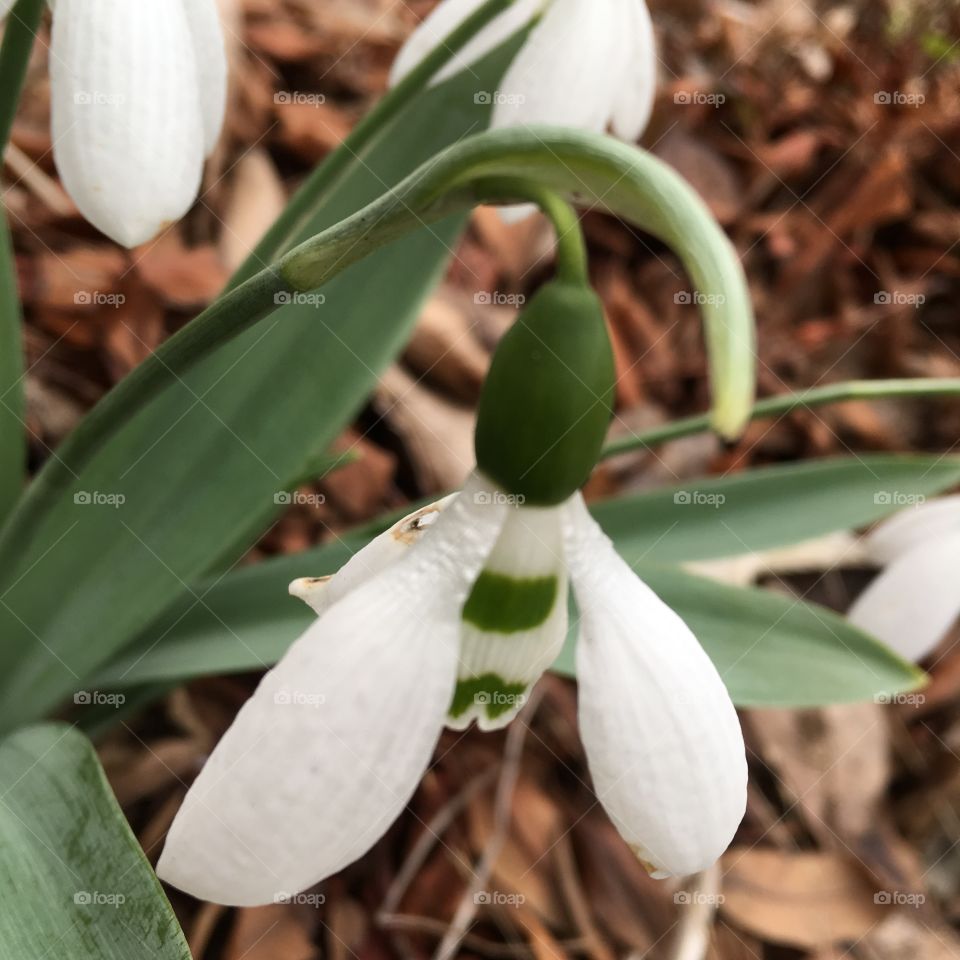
<point x="548" y="397"/>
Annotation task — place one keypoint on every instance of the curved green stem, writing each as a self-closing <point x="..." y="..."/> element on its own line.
<point x="21" y="30"/>
<point x="571" y="247"/>
<point x="298" y="212"/>
<point x="504" y="166"/>
<point x="805" y="399"/>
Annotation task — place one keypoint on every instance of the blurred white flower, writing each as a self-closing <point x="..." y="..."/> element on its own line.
<point x="590" y="64"/>
<point x="915" y="599"/>
<point x="137" y="99"/>
<point x="328" y="751"/>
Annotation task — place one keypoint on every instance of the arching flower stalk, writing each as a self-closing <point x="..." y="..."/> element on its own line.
<point x="456" y="628"/>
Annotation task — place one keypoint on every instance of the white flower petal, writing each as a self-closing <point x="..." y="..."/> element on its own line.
<point x="331" y="746"/>
<point x="5" y="6"/>
<point x="319" y="593"/>
<point x="520" y="621"/>
<point x="915" y="600"/>
<point x="911" y="527"/>
<point x="570" y="69"/>
<point x="127" y="131"/>
<point x="206" y="33"/>
<point x="636" y="97"/>
<point x="444" y="19"/>
<point x="661" y="735"/>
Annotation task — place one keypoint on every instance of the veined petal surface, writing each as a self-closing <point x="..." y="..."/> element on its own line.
<point x="662" y="738"/>
<point x="328" y="751"/>
<point x="127" y="129"/>
<point x="206" y="32"/>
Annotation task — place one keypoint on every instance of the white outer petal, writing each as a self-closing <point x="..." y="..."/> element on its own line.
<point x="530" y="545"/>
<point x="328" y="751"/>
<point x="569" y="71"/>
<point x="5" y="6"/>
<point x="635" y="100"/>
<point x="206" y="33"/>
<point x="319" y="593"/>
<point x="131" y="157"/>
<point x="911" y="527"/>
<point x="915" y="600"/>
<point x="662" y="737"/>
<point x="444" y="19"/>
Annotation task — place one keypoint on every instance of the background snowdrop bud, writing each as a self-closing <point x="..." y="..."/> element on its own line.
<point x="128" y="123"/>
<point x="547" y="400"/>
<point x="914" y="600"/>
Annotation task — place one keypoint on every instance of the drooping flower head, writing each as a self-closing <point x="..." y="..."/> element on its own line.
<point x="450" y="617"/>
<point x="138" y="93"/>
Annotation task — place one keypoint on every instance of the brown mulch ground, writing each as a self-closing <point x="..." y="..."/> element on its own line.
<point x="826" y="138"/>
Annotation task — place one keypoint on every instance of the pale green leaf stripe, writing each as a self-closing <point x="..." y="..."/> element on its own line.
<point x="247" y="620"/>
<point x="770" y="507"/>
<point x="73" y="879"/>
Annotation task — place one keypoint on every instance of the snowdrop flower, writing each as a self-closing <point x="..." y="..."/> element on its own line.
<point x="586" y="63"/>
<point x="914" y="600"/>
<point x="137" y="100"/>
<point x="449" y="618"/>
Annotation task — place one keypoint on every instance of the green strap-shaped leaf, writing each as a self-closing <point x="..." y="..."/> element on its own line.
<point x="770" y="507"/>
<point x="199" y="468"/>
<point x="73" y="879"/>
<point x="247" y="619"/>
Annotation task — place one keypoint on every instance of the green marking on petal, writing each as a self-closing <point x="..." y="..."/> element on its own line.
<point x="502" y="604"/>
<point x="491" y="692"/>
